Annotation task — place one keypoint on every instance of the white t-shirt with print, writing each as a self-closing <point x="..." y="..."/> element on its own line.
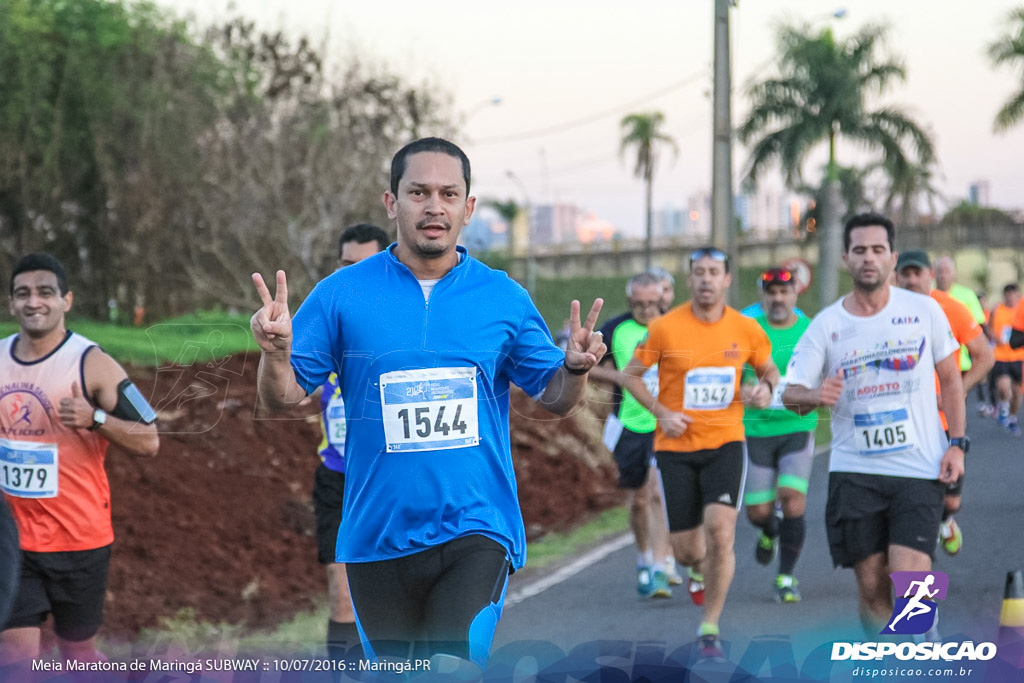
<point x="887" y="419"/>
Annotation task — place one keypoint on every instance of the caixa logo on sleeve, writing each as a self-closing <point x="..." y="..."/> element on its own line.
<point x="915" y="606"/>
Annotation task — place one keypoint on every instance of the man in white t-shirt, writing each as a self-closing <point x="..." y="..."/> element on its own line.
<point x="871" y="357"/>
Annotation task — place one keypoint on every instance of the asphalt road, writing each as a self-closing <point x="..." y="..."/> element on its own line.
<point x="593" y="626"/>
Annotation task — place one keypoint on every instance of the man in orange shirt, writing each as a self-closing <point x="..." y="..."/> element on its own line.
<point x="1008" y="367"/>
<point x="914" y="272"/>
<point x="701" y="348"/>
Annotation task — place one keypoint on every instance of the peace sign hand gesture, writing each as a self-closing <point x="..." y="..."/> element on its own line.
<point x="586" y="347"/>
<point x="272" y="324"/>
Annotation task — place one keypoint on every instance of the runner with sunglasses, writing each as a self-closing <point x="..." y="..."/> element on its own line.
<point x="701" y="348"/>
<point x="780" y="443"/>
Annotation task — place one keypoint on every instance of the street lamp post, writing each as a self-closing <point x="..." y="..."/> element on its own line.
<point x="531" y="265"/>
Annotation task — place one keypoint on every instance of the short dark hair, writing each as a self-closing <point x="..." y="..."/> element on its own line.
<point x="867" y="220"/>
<point x="40" y="260"/>
<point x="1012" y="287"/>
<point x="398" y="162"/>
<point x="363" y="233"/>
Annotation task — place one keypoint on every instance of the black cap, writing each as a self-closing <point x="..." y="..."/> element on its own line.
<point x="913" y="257"/>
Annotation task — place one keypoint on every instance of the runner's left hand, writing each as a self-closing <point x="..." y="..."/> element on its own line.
<point x="76" y="412"/>
<point x="585" y="347"/>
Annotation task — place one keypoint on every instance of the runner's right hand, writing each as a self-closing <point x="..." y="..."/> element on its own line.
<point x="272" y="324"/>
<point x="673" y="424"/>
<point x="830" y="391"/>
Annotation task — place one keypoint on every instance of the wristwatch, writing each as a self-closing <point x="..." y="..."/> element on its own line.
<point x="99" y="418"/>
<point x="961" y="442"/>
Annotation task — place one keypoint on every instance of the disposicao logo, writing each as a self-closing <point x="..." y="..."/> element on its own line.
<point x="914" y="613"/>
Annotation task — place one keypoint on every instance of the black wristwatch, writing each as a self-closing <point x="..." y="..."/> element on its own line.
<point x="961" y="442"/>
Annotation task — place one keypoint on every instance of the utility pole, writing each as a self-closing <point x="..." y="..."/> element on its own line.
<point x="723" y="232"/>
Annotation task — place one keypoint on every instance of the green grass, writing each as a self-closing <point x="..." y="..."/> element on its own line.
<point x="195" y="338"/>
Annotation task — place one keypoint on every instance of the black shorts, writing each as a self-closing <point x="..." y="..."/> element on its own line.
<point x="633" y="453"/>
<point x="10" y="560"/>
<point x="866" y="513"/>
<point x="1008" y="367"/>
<point x="328" y="496"/>
<point x="694" y="480"/>
<point x="69" y="585"/>
<point x="446" y="599"/>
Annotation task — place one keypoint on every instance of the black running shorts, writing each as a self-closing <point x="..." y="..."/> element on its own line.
<point x="328" y="496"/>
<point x="866" y="513"/>
<point x="694" y="480"/>
<point x="633" y="453"/>
<point x="69" y="585"/>
<point x="443" y="600"/>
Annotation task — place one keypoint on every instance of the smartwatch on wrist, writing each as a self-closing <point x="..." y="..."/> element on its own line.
<point x="99" y="418"/>
<point x="961" y="442"/>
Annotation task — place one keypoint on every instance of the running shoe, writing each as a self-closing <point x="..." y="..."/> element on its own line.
<point x="1013" y="428"/>
<point x="785" y="589"/>
<point x="766" y="549"/>
<point x="711" y="647"/>
<point x="986" y="410"/>
<point x="659" y="585"/>
<point x="672" y="574"/>
<point x="951" y="536"/>
<point x="644" y="582"/>
<point x="1003" y="420"/>
<point x="695" y="586"/>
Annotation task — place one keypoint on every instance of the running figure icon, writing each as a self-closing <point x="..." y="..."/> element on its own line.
<point x="915" y="607"/>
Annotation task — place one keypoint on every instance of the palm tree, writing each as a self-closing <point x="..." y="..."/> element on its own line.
<point x="643" y="131"/>
<point x="1010" y="50"/>
<point x="820" y="95"/>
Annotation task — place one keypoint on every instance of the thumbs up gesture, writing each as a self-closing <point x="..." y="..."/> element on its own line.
<point x="76" y="412"/>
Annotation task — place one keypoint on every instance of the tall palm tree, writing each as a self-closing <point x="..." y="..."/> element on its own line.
<point x="644" y="133"/>
<point x="819" y="95"/>
<point x="1010" y="50"/>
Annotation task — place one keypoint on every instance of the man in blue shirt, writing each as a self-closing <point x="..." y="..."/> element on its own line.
<point x="425" y="341"/>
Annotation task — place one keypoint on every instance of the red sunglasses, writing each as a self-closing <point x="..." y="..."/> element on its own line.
<point x="773" y="275"/>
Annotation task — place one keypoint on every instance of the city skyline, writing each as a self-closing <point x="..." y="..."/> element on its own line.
<point x="567" y="72"/>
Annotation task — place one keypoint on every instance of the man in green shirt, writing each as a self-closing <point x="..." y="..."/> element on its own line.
<point x="945" y="281"/>
<point x="629" y="434"/>
<point x="780" y="443"/>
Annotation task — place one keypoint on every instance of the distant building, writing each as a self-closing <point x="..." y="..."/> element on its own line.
<point x="670" y="221"/>
<point x="555" y="223"/>
<point x="978" y="193"/>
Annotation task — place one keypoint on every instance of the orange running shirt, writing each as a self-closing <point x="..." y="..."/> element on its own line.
<point x="1001" y="321"/>
<point x="965" y="329"/>
<point x="699" y="369"/>
<point x="52" y="475"/>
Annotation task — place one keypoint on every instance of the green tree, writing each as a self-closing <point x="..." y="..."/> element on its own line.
<point x="821" y="95"/>
<point x="1009" y="50"/>
<point x="643" y="132"/>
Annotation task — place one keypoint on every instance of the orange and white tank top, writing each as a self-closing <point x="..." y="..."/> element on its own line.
<point x="52" y="476"/>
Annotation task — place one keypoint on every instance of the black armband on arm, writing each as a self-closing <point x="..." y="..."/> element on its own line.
<point x="1016" y="339"/>
<point x="132" y="405"/>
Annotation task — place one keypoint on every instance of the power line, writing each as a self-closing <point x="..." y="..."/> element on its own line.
<point x="539" y="132"/>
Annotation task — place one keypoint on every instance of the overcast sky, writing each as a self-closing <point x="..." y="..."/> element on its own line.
<point x="568" y="70"/>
